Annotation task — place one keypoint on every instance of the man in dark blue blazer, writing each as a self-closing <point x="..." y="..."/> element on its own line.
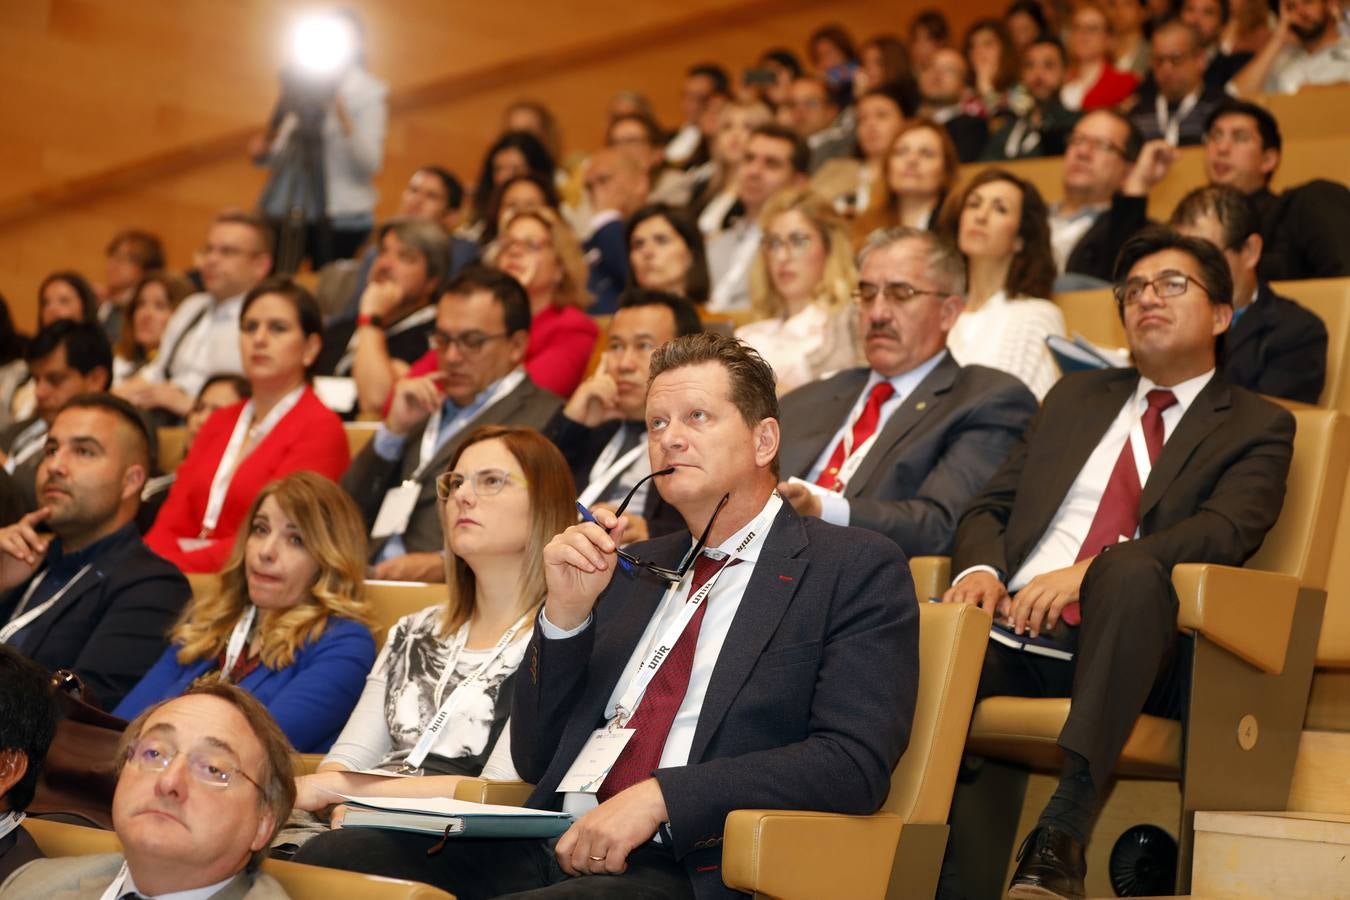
<point x="788" y="680"/>
<point x="93" y="598"/>
<point x="941" y="434"/>
<point x="1274" y="346"/>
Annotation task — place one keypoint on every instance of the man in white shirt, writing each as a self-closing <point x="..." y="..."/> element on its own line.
<point x="1305" y="48"/>
<point x="202" y="337"/>
<point x="775" y="158"/>
<point x="776" y="669"/>
<point x="705" y="84"/>
<point x="1124" y="474"/>
<point x="205" y="783"/>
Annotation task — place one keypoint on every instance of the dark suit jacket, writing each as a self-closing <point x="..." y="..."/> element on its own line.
<point x="1304" y="230"/>
<point x="16" y="849"/>
<point x="809" y="706"/>
<point x="933" y="455"/>
<point x="112" y="626"/>
<point x="369" y="477"/>
<point x="581" y="446"/>
<point x="1278" y="348"/>
<point x="1192" y="126"/>
<point x="1213" y="493"/>
<point x="1095" y="253"/>
<point x="969" y="134"/>
<point x="607" y="258"/>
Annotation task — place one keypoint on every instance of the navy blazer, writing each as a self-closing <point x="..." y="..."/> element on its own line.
<point x="933" y="455"/>
<point x="810" y="703"/>
<point x="1278" y="348"/>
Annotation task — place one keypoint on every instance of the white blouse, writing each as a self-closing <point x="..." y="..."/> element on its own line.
<point x="804" y="347"/>
<point x="1009" y="335"/>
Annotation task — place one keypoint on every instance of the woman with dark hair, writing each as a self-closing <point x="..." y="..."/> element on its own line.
<point x="993" y="63"/>
<point x="921" y="167"/>
<point x="132" y="255"/>
<point x="66" y="295"/>
<point x="666" y="253"/>
<point x="1001" y="226"/>
<point x="144" y="319"/>
<point x="520" y="193"/>
<point x="282" y="428"/>
<point x="884" y="60"/>
<point x="834" y="58"/>
<point x="851" y="182"/>
<point x="514" y="153"/>
<point x="1025" y="21"/>
<point x="929" y="32"/>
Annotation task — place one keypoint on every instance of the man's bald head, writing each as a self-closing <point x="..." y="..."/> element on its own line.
<point x="617" y="178"/>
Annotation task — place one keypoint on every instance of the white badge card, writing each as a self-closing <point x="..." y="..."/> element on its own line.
<point x="396" y="510"/>
<point x="595" y="760"/>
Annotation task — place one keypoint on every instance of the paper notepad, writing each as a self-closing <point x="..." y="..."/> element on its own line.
<point x="439" y="816"/>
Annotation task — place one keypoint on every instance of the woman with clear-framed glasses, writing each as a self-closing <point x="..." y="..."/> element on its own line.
<point x="506" y="492"/>
<point x="800" y="291"/>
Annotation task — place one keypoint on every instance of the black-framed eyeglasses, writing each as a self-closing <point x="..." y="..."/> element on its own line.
<point x="894" y="292"/>
<point x="676" y="575"/>
<point x="212" y="769"/>
<point x="468" y="343"/>
<point x="1168" y="284"/>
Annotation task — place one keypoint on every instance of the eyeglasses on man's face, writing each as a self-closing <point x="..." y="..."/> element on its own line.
<point x="212" y="768"/>
<point x="485" y="482"/>
<point x="1100" y="145"/>
<point x="1165" y="286"/>
<point x="469" y="343"/>
<point x="895" y="293"/>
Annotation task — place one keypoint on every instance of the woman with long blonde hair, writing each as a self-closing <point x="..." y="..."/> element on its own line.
<point x="801" y="286"/>
<point x="289" y="622"/>
<point x="437" y="702"/>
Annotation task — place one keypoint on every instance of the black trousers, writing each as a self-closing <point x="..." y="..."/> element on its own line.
<point x="479" y="868"/>
<point x="1129" y="660"/>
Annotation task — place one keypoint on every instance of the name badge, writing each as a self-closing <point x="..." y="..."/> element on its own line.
<point x="396" y="510"/>
<point x="187" y="545"/>
<point x="595" y="760"/>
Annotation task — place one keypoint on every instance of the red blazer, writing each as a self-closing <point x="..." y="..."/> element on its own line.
<point x="309" y="437"/>
<point x="561" y="341"/>
<point x="1111" y="88"/>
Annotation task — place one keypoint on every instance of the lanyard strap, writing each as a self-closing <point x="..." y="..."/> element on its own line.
<point x="220" y="482"/>
<point x="442" y="718"/>
<point x="607" y="467"/>
<point x="432" y="440"/>
<point x="412" y="320"/>
<point x="238" y="638"/>
<point x="21" y="618"/>
<point x="658" y="652"/>
<point x="114" y="890"/>
<point x="184" y="335"/>
<point x="26" y="443"/>
<point x="1170" y="125"/>
<point x="8" y="822"/>
<point x="853" y="457"/>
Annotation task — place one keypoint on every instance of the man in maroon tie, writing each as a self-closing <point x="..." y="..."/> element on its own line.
<point x="663" y="689"/>
<point x="902" y="445"/>
<point x="1124" y="474"/>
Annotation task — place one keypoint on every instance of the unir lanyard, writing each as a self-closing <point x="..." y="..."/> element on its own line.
<point x="607" y="467"/>
<point x="442" y="718"/>
<point x="115" y="889"/>
<point x="238" y="638"/>
<point x="29" y="441"/>
<point x="427" y="451"/>
<point x="220" y="482"/>
<point x="853" y="458"/>
<point x="22" y="618"/>
<point x="8" y="822"/>
<point x="1170" y="126"/>
<point x="655" y="657"/>
<point x="408" y="322"/>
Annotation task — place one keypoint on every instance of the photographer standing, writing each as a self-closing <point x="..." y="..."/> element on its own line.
<point x="324" y="144"/>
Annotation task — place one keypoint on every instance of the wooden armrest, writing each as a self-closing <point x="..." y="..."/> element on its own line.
<point x="778" y="853"/>
<point x="932" y="575"/>
<point x="501" y="793"/>
<point x="306" y="763"/>
<point x="1247" y="612"/>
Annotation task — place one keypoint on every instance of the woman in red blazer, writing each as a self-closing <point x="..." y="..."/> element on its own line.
<point x="1093" y="83"/>
<point x="282" y="429"/>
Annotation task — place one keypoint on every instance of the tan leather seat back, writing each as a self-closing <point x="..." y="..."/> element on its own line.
<point x="1093" y="315"/>
<point x="169" y="442"/>
<point x="1330" y="299"/>
<point x="952" y="639"/>
<point x="392" y="600"/>
<point x="358" y="435"/>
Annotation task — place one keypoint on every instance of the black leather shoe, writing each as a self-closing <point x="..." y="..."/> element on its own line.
<point x="1050" y="864"/>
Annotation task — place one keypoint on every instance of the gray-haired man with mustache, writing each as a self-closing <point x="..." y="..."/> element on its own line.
<point x="902" y="446"/>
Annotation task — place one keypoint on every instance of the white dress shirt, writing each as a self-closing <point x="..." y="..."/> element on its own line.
<point x="1009" y="335"/>
<point x="1059" y="545"/>
<point x="833" y="507"/>
<point x="1067" y="230"/>
<point x="722" y="604"/>
<point x="199" y="347"/>
<point x="730" y="256"/>
<point x="201" y="893"/>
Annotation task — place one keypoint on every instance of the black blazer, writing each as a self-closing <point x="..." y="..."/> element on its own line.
<point x="1214" y="492"/>
<point x="1304" y="231"/>
<point x="933" y="455"/>
<point x="369" y="477"/>
<point x="581" y="447"/>
<point x="1096" y="251"/>
<point x="1278" y="348"/>
<point x="810" y="703"/>
<point x="113" y="625"/>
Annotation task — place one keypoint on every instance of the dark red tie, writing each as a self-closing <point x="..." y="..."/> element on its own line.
<point x="863" y="428"/>
<point x="656" y="711"/>
<point x="1118" y="514"/>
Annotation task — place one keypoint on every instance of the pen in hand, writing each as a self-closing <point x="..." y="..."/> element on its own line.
<point x="586" y="516"/>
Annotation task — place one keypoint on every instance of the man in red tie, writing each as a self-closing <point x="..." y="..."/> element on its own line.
<point x="756" y="660"/>
<point x="902" y="445"/>
<point x="1124" y="474"/>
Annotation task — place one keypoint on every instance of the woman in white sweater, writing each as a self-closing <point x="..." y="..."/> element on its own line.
<point x="800" y="291"/>
<point x="1001" y="225"/>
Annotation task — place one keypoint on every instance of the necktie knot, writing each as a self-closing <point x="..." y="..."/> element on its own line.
<point x="1160" y="399"/>
<point x="881" y="392"/>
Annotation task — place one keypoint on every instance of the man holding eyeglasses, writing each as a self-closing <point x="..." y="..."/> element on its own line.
<point x="481" y="332"/>
<point x="204" y="785"/>
<point x="1124" y="474"/>
<point x="901" y="446"/>
<point x="602" y="430"/>
<point x="201" y="338"/>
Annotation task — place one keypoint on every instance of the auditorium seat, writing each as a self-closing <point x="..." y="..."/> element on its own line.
<point x="170" y="440"/>
<point x="359" y="434"/>
<point x="1330" y="299"/>
<point x="898" y="851"/>
<point x="1256" y="631"/>
<point x="301" y="882"/>
<point x="1092" y="314"/>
